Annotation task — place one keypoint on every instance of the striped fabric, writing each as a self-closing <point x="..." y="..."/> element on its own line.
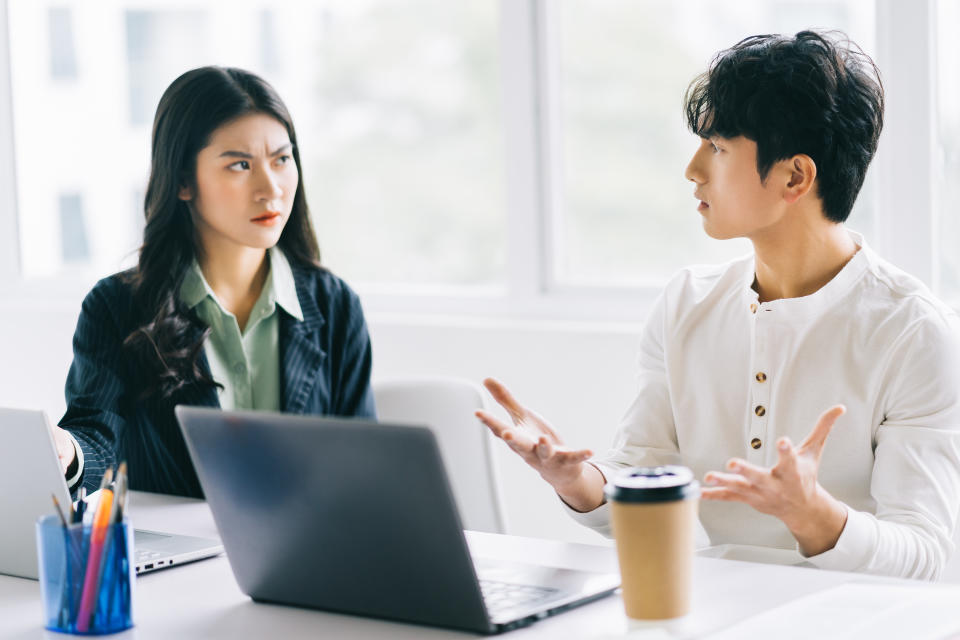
<point x="325" y="362"/>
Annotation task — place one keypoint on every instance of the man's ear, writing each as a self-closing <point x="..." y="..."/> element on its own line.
<point x="185" y="193"/>
<point x="803" y="173"/>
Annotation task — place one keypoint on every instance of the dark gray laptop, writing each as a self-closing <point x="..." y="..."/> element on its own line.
<point x="358" y="517"/>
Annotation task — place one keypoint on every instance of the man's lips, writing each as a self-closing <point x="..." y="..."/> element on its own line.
<point x="703" y="206"/>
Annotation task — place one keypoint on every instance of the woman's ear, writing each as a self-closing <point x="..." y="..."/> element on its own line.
<point x="185" y="193"/>
<point x="803" y="173"/>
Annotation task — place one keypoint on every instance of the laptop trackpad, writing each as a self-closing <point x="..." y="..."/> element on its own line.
<point x="555" y="587"/>
<point x="522" y="573"/>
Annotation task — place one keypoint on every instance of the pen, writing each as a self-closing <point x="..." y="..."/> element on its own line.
<point x="81" y="505"/>
<point x="119" y="492"/>
<point x="91" y="578"/>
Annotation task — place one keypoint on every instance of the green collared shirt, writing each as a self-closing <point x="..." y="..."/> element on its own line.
<point x="246" y="363"/>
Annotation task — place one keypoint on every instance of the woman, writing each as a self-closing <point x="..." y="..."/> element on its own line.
<point x="228" y="305"/>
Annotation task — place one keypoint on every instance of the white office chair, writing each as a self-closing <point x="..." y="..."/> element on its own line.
<point x="446" y="406"/>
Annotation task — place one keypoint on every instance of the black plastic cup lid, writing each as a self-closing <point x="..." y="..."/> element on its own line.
<point x="652" y="484"/>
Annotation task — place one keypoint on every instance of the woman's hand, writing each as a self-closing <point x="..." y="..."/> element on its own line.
<point x="65" y="449"/>
<point x="579" y="484"/>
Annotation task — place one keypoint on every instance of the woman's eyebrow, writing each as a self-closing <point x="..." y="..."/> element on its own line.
<point x="247" y="156"/>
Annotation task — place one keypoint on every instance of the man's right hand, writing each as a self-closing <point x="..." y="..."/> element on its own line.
<point x="579" y="484"/>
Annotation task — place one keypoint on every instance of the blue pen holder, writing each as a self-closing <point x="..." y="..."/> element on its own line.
<point x="64" y="559"/>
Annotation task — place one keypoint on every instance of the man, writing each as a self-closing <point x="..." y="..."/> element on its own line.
<point x="737" y="361"/>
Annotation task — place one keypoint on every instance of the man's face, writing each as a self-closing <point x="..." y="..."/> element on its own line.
<point x="733" y="201"/>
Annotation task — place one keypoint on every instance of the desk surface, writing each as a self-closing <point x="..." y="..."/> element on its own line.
<point x="201" y="600"/>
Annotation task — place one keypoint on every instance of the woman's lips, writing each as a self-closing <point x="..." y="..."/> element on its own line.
<point x="703" y="206"/>
<point x="268" y="219"/>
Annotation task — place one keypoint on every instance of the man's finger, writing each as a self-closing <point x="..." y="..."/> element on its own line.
<point x="498" y="428"/>
<point x="816" y="438"/>
<point x="544" y="448"/>
<point x="519" y="443"/>
<point x="504" y="398"/>
<point x="751" y="472"/>
<point x="731" y="481"/>
<point x="572" y="457"/>
<point x="721" y="493"/>
<point x="786" y="459"/>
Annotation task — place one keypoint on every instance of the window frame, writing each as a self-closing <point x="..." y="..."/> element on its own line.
<point x="9" y="242"/>
<point x="528" y="57"/>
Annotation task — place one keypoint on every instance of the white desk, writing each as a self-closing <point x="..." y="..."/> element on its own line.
<point x="202" y="600"/>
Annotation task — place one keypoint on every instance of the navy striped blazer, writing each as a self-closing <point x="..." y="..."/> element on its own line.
<point x="325" y="369"/>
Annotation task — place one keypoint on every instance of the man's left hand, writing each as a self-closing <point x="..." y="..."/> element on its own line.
<point x="789" y="490"/>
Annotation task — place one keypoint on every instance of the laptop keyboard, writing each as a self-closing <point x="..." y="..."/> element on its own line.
<point x="501" y="596"/>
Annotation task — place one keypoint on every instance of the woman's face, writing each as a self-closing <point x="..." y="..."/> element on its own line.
<point x="245" y="183"/>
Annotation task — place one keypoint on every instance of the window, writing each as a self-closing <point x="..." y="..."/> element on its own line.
<point x="625" y="213"/>
<point x="397" y="107"/>
<point x="509" y="157"/>
<point x="947" y="151"/>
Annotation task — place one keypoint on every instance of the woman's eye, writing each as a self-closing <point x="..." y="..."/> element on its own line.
<point x="283" y="159"/>
<point x="239" y="165"/>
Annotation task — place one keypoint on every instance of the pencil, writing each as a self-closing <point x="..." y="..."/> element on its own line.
<point x="64" y="593"/>
<point x="56" y="504"/>
<point x="91" y="578"/>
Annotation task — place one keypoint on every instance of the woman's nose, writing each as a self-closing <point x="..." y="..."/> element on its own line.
<point x="268" y="187"/>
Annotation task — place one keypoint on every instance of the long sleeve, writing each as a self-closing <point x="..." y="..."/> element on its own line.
<point x="916" y="475"/>
<point x="96" y="385"/>
<point x="646" y="435"/>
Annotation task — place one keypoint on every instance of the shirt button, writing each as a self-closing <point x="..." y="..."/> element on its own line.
<point x="239" y="368"/>
<point x="761" y="377"/>
<point x="753" y="307"/>
<point x="755" y="443"/>
<point x="759" y="411"/>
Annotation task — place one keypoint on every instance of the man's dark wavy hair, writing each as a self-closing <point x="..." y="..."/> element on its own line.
<point x="816" y="93"/>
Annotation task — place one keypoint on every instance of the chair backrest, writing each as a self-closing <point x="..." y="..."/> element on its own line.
<point x="446" y="406"/>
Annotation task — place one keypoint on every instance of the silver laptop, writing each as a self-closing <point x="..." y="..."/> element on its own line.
<point x="358" y="517"/>
<point x="31" y="472"/>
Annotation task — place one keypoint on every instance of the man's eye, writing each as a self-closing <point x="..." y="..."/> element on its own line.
<point x="239" y="165"/>
<point x="715" y="148"/>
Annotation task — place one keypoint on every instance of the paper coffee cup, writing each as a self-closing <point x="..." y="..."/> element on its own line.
<point x="653" y="514"/>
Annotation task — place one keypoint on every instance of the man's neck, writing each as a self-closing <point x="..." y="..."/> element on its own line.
<point x="797" y="260"/>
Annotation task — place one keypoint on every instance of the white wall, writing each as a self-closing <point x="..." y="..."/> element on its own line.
<point x="580" y="376"/>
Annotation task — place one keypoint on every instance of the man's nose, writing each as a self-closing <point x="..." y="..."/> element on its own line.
<point x="694" y="172"/>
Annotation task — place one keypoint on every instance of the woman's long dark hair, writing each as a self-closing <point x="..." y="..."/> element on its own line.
<point x="166" y="345"/>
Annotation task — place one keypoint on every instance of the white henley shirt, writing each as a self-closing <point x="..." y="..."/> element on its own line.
<point x="723" y="375"/>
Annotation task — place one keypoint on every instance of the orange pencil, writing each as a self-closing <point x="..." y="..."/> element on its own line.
<point x="91" y="579"/>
